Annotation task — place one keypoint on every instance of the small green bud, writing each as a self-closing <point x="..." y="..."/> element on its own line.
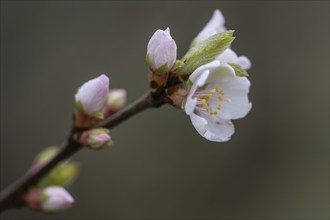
<point x="62" y="175"/>
<point x="96" y="139"/>
<point x="46" y="155"/>
<point x="116" y="101"/>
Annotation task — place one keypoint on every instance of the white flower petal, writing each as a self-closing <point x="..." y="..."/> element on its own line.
<point x="228" y="56"/>
<point x="221" y="72"/>
<point x="220" y="130"/>
<point x="236" y="90"/>
<point x="244" y="62"/>
<point x="93" y="94"/>
<point x="217" y="95"/>
<point x="214" y="26"/>
<point x="164" y="53"/>
<point x="209" y="66"/>
<point x="161" y="49"/>
<point x="212" y="128"/>
<point x="58" y="199"/>
<point x="190" y="105"/>
<point x="191" y="102"/>
<point x="202" y="78"/>
<point x="156" y="39"/>
<point x="199" y="123"/>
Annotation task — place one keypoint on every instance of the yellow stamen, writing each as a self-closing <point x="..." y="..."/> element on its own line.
<point x="205" y="99"/>
<point x="213" y="90"/>
<point x="205" y="105"/>
<point x="220" y="91"/>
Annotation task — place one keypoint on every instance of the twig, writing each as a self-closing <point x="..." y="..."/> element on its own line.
<point x="12" y="197"/>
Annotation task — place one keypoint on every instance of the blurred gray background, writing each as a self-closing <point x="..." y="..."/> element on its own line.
<point x="275" y="167"/>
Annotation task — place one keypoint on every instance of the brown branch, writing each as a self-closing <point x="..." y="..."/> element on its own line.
<point x="12" y="197"/>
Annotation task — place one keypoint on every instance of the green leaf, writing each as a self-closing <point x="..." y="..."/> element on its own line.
<point x="238" y="70"/>
<point x="177" y="64"/>
<point x="206" y="51"/>
<point x="193" y="43"/>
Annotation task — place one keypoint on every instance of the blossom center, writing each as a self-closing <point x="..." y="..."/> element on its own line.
<point x="209" y="101"/>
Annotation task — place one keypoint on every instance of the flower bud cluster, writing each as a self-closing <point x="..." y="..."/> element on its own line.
<point x="209" y="83"/>
<point x="95" y="103"/>
<point x="48" y="194"/>
<point x="62" y="175"/>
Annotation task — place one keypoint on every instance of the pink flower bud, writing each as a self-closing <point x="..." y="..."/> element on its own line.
<point x="161" y="50"/>
<point x="50" y="199"/>
<point x="96" y="139"/>
<point x="92" y="95"/>
<point x="56" y="199"/>
<point x="116" y="100"/>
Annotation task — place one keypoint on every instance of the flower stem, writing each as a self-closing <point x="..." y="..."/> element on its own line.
<point x="13" y="196"/>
